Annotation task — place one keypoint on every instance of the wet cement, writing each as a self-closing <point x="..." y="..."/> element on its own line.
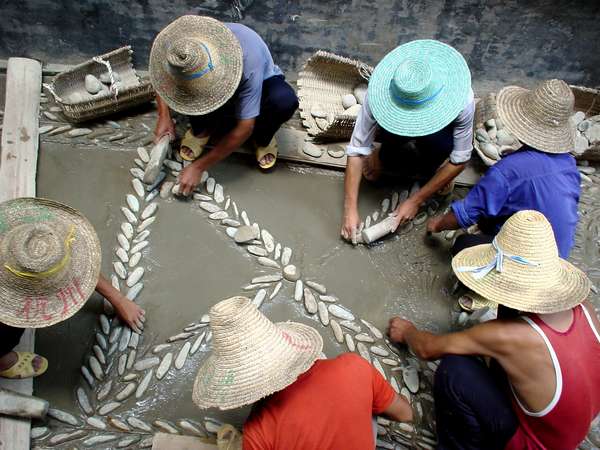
<point x="192" y="264"/>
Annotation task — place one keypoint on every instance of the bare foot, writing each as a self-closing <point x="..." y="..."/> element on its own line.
<point x="267" y="159"/>
<point x="10" y="359"/>
<point x="186" y="153"/>
<point x="372" y="166"/>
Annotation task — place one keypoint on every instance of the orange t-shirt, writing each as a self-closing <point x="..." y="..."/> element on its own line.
<point x="331" y="406"/>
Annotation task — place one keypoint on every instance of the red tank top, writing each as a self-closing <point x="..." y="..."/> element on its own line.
<point x="565" y="422"/>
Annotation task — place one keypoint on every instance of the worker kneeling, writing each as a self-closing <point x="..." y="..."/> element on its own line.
<point x="304" y="402"/>
<point x="542" y="388"/>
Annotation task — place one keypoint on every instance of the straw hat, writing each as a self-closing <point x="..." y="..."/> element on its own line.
<point x="419" y="88"/>
<point x="49" y="262"/>
<point x="539" y="118"/>
<point x="252" y="357"/>
<point x="522" y="269"/>
<point x="195" y="64"/>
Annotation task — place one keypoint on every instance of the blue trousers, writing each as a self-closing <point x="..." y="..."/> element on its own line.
<point x="423" y="159"/>
<point x="277" y="105"/>
<point x="9" y="338"/>
<point x="473" y="410"/>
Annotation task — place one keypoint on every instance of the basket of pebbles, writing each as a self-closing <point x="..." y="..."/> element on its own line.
<point x="491" y="140"/>
<point x="587" y="123"/>
<point x="331" y="89"/>
<point x="100" y="86"/>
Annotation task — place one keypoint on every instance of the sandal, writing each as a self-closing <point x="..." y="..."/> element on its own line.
<point x="472" y="302"/>
<point x="23" y="368"/>
<point x="270" y="149"/>
<point x="195" y="144"/>
<point x="229" y="438"/>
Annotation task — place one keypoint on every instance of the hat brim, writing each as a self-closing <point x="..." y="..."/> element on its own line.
<point x="210" y="92"/>
<point x="542" y="294"/>
<point x="450" y="70"/>
<point x="229" y="384"/>
<point x="512" y="103"/>
<point x="27" y="303"/>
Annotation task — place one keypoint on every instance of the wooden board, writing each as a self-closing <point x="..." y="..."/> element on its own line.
<point x="164" y="441"/>
<point x="18" y="166"/>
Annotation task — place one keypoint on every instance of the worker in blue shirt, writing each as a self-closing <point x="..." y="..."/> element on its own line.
<point x="540" y="176"/>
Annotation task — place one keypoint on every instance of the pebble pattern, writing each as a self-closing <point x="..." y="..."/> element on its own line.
<point x="122" y="375"/>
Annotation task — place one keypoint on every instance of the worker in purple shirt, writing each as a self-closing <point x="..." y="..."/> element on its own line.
<point x="223" y="77"/>
<point x="540" y="176"/>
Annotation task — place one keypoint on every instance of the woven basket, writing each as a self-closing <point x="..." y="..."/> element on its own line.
<point x="325" y="78"/>
<point x="484" y="111"/>
<point x="588" y="101"/>
<point x="133" y="91"/>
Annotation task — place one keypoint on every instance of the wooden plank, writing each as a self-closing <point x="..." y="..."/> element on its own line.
<point x="18" y="166"/>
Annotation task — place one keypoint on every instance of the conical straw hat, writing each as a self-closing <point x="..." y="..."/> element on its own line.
<point x="195" y="64"/>
<point x="522" y="269"/>
<point x="252" y="357"/>
<point x="49" y="262"/>
<point x="539" y="118"/>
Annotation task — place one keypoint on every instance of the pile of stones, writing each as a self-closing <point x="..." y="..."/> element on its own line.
<point x="587" y="131"/>
<point x="351" y="102"/>
<point x="96" y="87"/>
<point x="494" y="141"/>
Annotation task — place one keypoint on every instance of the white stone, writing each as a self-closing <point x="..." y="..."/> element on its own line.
<point x="92" y="84"/>
<point x="317" y="110"/>
<point x="348" y="100"/>
<point x="353" y="110"/>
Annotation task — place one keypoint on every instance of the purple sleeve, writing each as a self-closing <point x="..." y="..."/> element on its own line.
<point x="249" y="96"/>
<point x="486" y="199"/>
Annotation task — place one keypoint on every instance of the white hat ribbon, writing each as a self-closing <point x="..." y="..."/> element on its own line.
<point x="497" y="263"/>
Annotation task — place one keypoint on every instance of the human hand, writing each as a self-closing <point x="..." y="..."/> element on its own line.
<point x="434" y="224"/>
<point x="350" y="224"/>
<point x="398" y="329"/>
<point x="131" y="314"/>
<point x="164" y="127"/>
<point x="405" y="212"/>
<point x="189" y="178"/>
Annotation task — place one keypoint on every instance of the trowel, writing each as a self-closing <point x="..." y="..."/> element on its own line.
<point x="157" y="158"/>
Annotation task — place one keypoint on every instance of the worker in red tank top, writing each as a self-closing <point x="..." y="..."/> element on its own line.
<point x="548" y="348"/>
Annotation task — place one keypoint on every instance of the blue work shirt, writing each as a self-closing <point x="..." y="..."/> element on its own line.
<point x="258" y="66"/>
<point x="527" y="179"/>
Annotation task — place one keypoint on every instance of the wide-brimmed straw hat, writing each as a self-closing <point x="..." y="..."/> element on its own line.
<point x="49" y="262"/>
<point x="252" y="357"/>
<point x="195" y="64"/>
<point x="521" y="269"/>
<point x="419" y="88"/>
<point x="539" y="118"/>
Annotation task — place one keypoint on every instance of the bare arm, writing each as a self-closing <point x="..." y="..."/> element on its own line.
<point x="495" y="339"/>
<point x="408" y="209"/>
<point x="190" y="176"/>
<point x="351" y="220"/>
<point x="399" y="410"/>
<point x="129" y="312"/>
<point x="443" y="222"/>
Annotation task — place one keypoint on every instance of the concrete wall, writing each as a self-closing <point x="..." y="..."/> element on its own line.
<point x="510" y="41"/>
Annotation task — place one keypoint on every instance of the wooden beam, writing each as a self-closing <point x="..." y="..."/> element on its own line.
<point x="18" y="166"/>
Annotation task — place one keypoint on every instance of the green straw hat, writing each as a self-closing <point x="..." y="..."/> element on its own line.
<point x="419" y="88"/>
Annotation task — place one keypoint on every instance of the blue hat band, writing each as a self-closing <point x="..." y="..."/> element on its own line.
<point x="408" y="101"/>
<point x="198" y="72"/>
